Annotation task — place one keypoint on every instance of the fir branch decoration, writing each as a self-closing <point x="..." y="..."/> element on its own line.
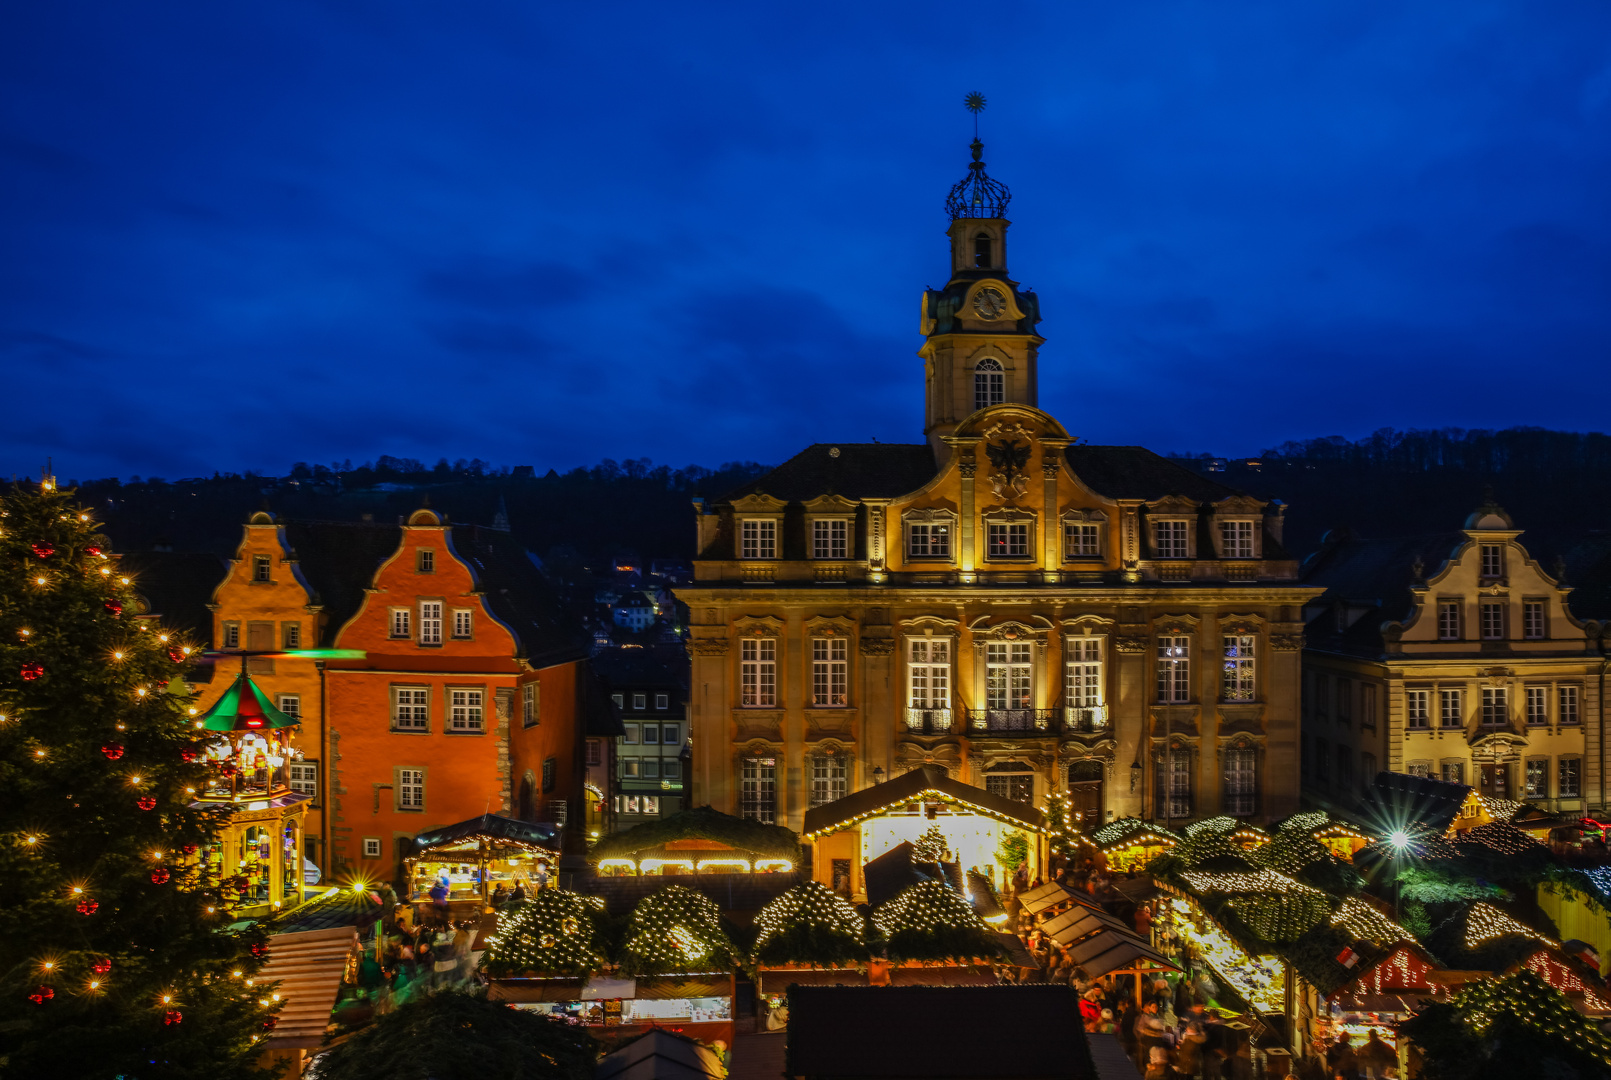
<point x="810" y="924"/>
<point x="676" y="929"/>
<point x="550" y="933"/>
<point x="929" y="921"/>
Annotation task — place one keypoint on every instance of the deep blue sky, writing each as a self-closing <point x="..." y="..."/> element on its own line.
<point x="238" y="235"/>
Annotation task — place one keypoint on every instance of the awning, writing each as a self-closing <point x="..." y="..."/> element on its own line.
<point x="1081" y="921"/>
<point x="245" y="708"/>
<point x="924" y="783"/>
<point x="308" y="967"/>
<point x="492" y="827"/>
<point x="1047" y="896"/>
<point x="1112" y="951"/>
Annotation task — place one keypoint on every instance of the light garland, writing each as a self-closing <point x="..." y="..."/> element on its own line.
<point x="1363" y="922"/>
<point x="1484" y="922"/>
<point x="1260" y="980"/>
<point x="675" y="929"/>
<point x="924" y="796"/>
<point x="815" y="917"/>
<point x="550" y="933"/>
<point x="1526" y="997"/>
<point x="1132" y="832"/>
<point x="931" y="921"/>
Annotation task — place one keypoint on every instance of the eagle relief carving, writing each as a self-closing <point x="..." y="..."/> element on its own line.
<point x="1009" y="458"/>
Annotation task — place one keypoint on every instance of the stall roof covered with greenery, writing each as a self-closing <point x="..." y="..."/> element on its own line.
<point x="700" y="823"/>
<point x="1129" y="831"/>
<point x="810" y="924"/>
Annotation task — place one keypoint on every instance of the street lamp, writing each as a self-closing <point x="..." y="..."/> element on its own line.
<point x="1399" y="841"/>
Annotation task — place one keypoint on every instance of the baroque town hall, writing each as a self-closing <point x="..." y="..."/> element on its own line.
<point x="1024" y="610"/>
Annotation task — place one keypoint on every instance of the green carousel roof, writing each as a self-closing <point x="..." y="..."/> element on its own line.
<point x="245" y="708"/>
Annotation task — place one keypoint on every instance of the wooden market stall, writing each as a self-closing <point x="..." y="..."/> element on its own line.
<point x="473" y="857"/>
<point x="258" y="850"/>
<point x="1130" y="843"/>
<point x="697" y="841"/>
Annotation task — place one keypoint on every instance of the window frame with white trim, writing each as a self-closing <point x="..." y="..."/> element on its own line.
<point x="758" y="672"/>
<point x="758" y="538"/>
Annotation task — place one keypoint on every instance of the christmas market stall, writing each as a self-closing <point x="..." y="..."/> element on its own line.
<point x="980" y="831"/>
<point x="1130" y="843"/>
<point x="1244" y="835"/>
<point x="675" y="968"/>
<point x="697" y="841"/>
<point x="474" y="857"/>
<point x="258" y="851"/>
<point x="1481" y="941"/>
<point x="808" y="936"/>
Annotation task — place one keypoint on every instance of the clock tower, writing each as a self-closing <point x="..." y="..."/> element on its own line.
<point x="980" y="344"/>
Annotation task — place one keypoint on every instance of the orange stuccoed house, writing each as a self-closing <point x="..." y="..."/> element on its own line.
<point x="451" y="681"/>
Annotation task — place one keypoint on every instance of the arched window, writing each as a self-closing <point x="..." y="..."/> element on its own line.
<point x="989" y="383"/>
<point x="981" y="251"/>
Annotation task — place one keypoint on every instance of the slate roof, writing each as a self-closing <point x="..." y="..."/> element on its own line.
<point x="907" y="787"/>
<point x="861" y="471"/>
<point x="936" y="1032"/>
<point x="653" y="668"/>
<point x="521" y="598"/>
<point x="337" y="561"/>
<point x="1134" y="472"/>
<point x="177" y="587"/>
<point x="660" y="1055"/>
<point x="1417" y="800"/>
<point x="493" y="827"/>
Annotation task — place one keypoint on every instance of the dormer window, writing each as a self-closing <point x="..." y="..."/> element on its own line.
<point x="829" y="538"/>
<point x="261" y="565"/>
<point x="1493" y="560"/>
<point x="1169" y="540"/>
<point x="1009" y="541"/>
<point x="928" y="534"/>
<point x="981" y="251"/>
<point x="758" y="538"/>
<point x="1236" y="539"/>
<point x="989" y="383"/>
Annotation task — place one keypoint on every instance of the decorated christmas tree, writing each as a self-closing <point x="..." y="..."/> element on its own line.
<point x="810" y="924"/>
<point x="676" y="929"/>
<point x="1062" y="830"/>
<point x="550" y="933"/>
<point x="931" y="847"/>
<point x="118" y="957"/>
<point x="931" y="921"/>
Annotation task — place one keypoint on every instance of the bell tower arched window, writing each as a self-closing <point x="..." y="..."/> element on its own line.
<point x="989" y="383"/>
<point x="981" y="251"/>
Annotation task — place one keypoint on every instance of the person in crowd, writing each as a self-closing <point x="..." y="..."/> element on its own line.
<point x="519" y="892"/>
<point x="1158" y="1064"/>
<point x="542" y="873"/>
<point x="1144" y="922"/>
<point x="1342" y="1059"/>
<point x="500" y="895"/>
<point x="1150" y="1028"/>
<point x="1375" y="1057"/>
<point x="1105" y="1025"/>
<point x="1127" y="1026"/>
<point x="1189" y="1054"/>
<point x="1091" y="1009"/>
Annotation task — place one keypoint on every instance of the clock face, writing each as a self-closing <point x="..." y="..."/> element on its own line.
<point x="989" y="303"/>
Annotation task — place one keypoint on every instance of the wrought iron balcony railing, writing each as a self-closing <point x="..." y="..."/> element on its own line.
<point x="1024" y="721"/>
<point x="928" y="721"/>
<point x="1085" y="718"/>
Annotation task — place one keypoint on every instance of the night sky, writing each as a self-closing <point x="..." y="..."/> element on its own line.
<point x="234" y="236"/>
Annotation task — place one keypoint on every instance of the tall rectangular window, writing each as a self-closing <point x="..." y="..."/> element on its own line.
<point x="1493" y="560"/>
<point x="1019" y="787"/>
<point x="465" y="710"/>
<point x="1007" y="676"/>
<point x="1322" y="696"/>
<point x="1569" y="778"/>
<point x="1451" y="713"/>
<point x="1345" y="701"/>
<point x="1241" y="781"/>
<point x="1238" y="683"/>
<point x="829" y="778"/>
<point x="1173" y="779"/>
<point x="1008" y="541"/>
<point x="1448" y="620"/>
<point x="928" y="540"/>
<point x="1417" y="709"/>
<point x="1495" y="706"/>
<point x="758" y="672"/>
<point x="425" y="561"/>
<point x="1568" y="705"/>
<point x="1537" y="778"/>
<point x="1493" y="620"/>
<point x="1533" y="620"/>
<point x="1537" y="705"/>
<point x="758" y="538"/>
<point x="463" y="622"/>
<point x="1236" y="539"/>
<point x="829" y="538"/>
<point x="411" y="708"/>
<point x="400" y="622"/>
<point x="411" y="789"/>
<point x="1081" y="540"/>
<point x="928" y="673"/>
<point x="1367" y="772"/>
<point x="1082" y="683"/>
<point x="595" y="751"/>
<point x="304" y="778"/>
<point x="290" y="704"/>
<point x="757" y="789"/>
<point x="1169" y="539"/>
<point x="232" y="635"/>
<point x="529" y="702"/>
<point x="1454" y="772"/>
<point x="1345" y="768"/>
<point x="1174" y="668"/>
<point x="550" y="773"/>
<point x="1367" y="706"/>
<point x="829" y="675"/>
<point x="261" y="568"/>
<point x="291" y="635"/>
<point x="430" y="622"/>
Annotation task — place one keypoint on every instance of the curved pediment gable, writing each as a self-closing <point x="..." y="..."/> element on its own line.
<point x="830" y="504"/>
<point x="1239" y="504"/>
<point x="758" y="626"/>
<point x="758" y="503"/>
<point x="1009" y="421"/>
<point x="1173" y="504"/>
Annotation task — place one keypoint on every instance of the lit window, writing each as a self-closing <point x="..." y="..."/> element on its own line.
<point x="1495" y="706"/>
<point x="1082" y="683"/>
<point x="465" y="712"/>
<point x="529" y="702"/>
<point x="1241" y="781"/>
<point x="1174" y="668"/>
<point x="463" y="622"/>
<point x="1449" y="620"/>
<point x="1417" y="709"/>
<point x="425" y="561"/>
<point x="290" y="704"/>
<point x="1019" y="787"/>
<point x="1568" y="705"/>
<point x="1537" y="704"/>
<point x="758" y="672"/>
<point x="304" y="778"/>
<point x="410" y="789"/>
<point x="651" y="804"/>
<point x="1493" y="560"/>
<point x="758" y="538"/>
<point x="430" y="622"/>
<point x="1454" y="772"/>
<point x="631" y="767"/>
<point x="1238" y="667"/>
<point x="829" y="677"/>
<point x="1169" y="539"/>
<point x="1236" y="539"/>
<point x="631" y="736"/>
<point x="1533" y="620"/>
<point x="1493" y="621"/>
<point x="928" y="676"/>
<point x="1537" y="778"/>
<point x="261" y="566"/>
<point x="928" y="541"/>
<point x="634" y="804"/>
<point x="1422" y="769"/>
<point x="1173" y="788"/>
<point x="1081" y="540"/>
<point x="989" y="384"/>
<point x="1450" y="712"/>
<point x="232" y="635"/>
<point x="1009" y="541"/>
<point x="829" y="538"/>
<point x="757" y="789"/>
<point x="1008" y="671"/>
<point x="1569" y="777"/>
<point x="829" y="779"/>
<point x="411" y="709"/>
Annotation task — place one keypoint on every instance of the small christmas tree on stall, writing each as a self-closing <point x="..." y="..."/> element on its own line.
<point x="930" y="921"/>
<point x="552" y="933"/>
<point x="931" y="847"/>
<point x="810" y="924"/>
<point x="118" y="954"/>
<point x="676" y="929"/>
<point x="1062" y="830"/>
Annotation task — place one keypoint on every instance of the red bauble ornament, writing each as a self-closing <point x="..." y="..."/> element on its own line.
<point x="44" y="550"/>
<point x="101" y="966"/>
<point x="188" y="754"/>
<point x="176" y="656"/>
<point x="87" y="906"/>
<point x="114" y="607"/>
<point x="30" y="672"/>
<point x="189" y="849"/>
<point x="159" y="876"/>
<point x="42" y="995"/>
<point x="113" y="750"/>
<point x="93" y="552"/>
<point x="271" y="1023"/>
<point x="146" y="802"/>
<point x="227" y="769"/>
<point x="172" y="1017"/>
<point x="258" y="948"/>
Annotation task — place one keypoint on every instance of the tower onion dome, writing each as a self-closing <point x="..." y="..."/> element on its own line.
<point x="977" y="195"/>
